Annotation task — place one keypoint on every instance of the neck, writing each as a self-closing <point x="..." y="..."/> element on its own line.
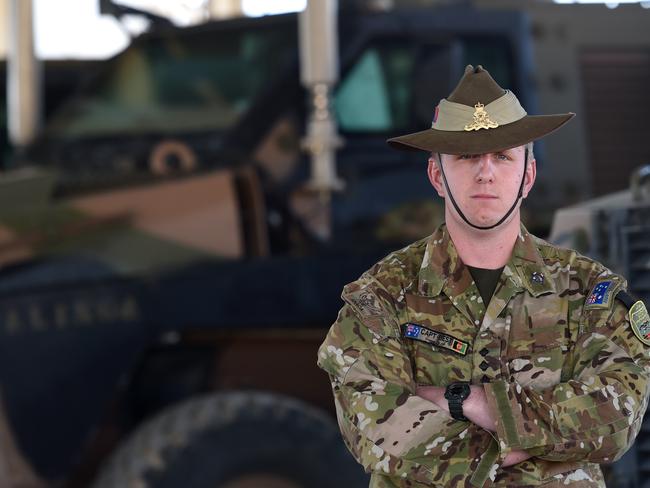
<point x="490" y="249"/>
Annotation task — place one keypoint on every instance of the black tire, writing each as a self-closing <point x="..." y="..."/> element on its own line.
<point x="239" y="439"/>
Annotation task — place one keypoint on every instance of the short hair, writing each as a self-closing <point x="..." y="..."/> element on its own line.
<point x="531" y="153"/>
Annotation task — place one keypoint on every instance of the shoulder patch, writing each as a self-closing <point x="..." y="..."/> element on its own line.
<point x="640" y="322"/>
<point x="371" y="309"/>
<point x="365" y="302"/>
<point x="601" y="295"/>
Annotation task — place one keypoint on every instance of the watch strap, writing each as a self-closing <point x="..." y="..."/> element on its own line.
<point x="456" y="408"/>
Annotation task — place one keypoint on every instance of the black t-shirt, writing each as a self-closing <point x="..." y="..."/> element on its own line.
<point x="486" y="281"/>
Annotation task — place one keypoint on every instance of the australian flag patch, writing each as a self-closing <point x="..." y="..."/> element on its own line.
<point x="440" y="339"/>
<point x="412" y="331"/>
<point x="601" y="295"/>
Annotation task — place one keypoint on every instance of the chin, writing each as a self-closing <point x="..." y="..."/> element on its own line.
<point x="485" y="221"/>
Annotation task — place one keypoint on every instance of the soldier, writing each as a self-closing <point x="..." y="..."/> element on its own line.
<point x="482" y="355"/>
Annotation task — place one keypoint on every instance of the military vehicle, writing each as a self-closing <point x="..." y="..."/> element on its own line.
<point x="167" y="275"/>
<point x="615" y="229"/>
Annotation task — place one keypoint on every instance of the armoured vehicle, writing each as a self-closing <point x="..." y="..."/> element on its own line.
<point x="167" y="275"/>
<point x="615" y="229"/>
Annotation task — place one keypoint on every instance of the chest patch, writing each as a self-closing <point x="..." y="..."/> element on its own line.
<point x="640" y="322"/>
<point x="424" y="334"/>
<point x="600" y="296"/>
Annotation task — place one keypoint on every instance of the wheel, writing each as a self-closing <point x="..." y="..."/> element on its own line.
<point x="235" y="440"/>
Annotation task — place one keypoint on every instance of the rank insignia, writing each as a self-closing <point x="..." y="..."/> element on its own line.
<point x="600" y="296"/>
<point x="537" y="277"/>
<point x="433" y="337"/>
<point x="640" y="322"/>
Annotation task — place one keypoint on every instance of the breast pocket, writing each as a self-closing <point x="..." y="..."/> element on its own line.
<point x="537" y="344"/>
<point x="440" y="354"/>
<point x="538" y="370"/>
<point x="536" y="355"/>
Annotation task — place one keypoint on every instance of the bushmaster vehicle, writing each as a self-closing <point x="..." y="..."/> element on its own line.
<point x="615" y="229"/>
<point x="167" y="275"/>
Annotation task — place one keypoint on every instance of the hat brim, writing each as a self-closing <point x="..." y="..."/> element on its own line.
<point x="518" y="133"/>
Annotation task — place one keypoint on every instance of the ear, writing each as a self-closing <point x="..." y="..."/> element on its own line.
<point x="531" y="174"/>
<point x="435" y="176"/>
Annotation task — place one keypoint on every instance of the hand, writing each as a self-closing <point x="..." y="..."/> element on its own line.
<point x="515" y="457"/>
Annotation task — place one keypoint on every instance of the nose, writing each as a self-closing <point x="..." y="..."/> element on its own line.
<point x="484" y="171"/>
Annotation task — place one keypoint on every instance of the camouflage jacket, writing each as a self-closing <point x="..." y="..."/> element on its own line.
<point x="563" y="371"/>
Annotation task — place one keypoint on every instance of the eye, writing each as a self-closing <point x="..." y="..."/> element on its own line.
<point x="503" y="157"/>
<point x="465" y="156"/>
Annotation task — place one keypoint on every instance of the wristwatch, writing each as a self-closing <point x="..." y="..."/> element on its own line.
<point x="456" y="393"/>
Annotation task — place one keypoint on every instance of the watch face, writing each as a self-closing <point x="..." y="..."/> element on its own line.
<point x="457" y="390"/>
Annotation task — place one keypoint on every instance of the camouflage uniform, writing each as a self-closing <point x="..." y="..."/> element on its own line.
<point x="566" y="378"/>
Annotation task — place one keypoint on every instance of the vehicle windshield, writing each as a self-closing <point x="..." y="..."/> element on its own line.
<point x="185" y="80"/>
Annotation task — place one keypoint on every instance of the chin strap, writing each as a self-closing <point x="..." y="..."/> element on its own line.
<point x="460" y="212"/>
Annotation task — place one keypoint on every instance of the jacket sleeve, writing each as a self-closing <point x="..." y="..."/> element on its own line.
<point x="387" y="428"/>
<point x="596" y="413"/>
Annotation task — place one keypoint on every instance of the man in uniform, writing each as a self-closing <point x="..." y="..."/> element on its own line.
<point x="482" y="355"/>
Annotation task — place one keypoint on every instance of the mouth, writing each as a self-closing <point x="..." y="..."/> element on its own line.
<point x="484" y="196"/>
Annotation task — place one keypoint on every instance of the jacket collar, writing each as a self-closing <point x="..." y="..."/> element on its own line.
<point x="442" y="267"/>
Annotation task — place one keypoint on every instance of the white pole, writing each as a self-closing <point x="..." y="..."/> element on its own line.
<point x="319" y="72"/>
<point x="23" y="75"/>
<point x="225" y="9"/>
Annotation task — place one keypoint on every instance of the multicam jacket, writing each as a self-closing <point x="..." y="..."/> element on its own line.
<point x="563" y="371"/>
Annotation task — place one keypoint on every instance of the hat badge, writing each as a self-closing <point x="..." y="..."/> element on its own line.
<point x="481" y="119"/>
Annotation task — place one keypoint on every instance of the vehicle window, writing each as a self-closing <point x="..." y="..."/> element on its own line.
<point x="184" y="81"/>
<point x="395" y="86"/>
<point x="374" y="95"/>
<point x="494" y="53"/>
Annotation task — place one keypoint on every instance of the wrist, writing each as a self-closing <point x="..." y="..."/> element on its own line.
<point x="477" y="409"/>
<point x="456" y="393"/>
<point x="434" y="394"/>
<point x="476" y="399"/>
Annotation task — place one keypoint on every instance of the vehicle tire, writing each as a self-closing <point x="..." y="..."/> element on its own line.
<point x="235" y="440"/>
